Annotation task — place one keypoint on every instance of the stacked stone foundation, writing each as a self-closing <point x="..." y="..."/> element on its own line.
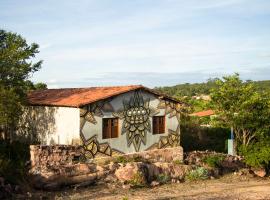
<point x="57" y="165"/>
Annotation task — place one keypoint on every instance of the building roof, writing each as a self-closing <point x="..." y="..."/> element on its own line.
<point x="203" y="113"/>
<point x="77" y="97"/>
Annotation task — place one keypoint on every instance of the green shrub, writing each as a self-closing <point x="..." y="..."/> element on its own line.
<point x="13" y="157"/>
<point x="138" y="180"/>
<point x="163" y="178"/>
<point x="178" y="162"/>
<point x="257" y="155"/>
<point x="121" y="159"/>
<point x="195" y="137"/>
<point x="197" y="174"/>
<point x="213" y="160"/>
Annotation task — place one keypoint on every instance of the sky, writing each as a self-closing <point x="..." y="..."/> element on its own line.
<point x="87" y="43"/>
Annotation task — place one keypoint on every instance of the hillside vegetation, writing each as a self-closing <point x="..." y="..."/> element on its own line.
<point x="193" y="89"/>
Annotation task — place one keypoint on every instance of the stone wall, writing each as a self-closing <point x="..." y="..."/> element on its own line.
<point x="60" y="165"/>
<point x="51" y="156"/>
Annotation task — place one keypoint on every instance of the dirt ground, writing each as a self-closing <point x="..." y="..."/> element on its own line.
<point x="227" y="187"/>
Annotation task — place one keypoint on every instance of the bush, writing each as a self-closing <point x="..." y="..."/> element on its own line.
<point x="257" y="155"/>
<point x="13" y="157"/>
<point x="195" y="137"/>
<point x="163" y="178"/>
<point x="138" y="180"/>
<point x="199" y="173"/>
<point x="178" y="162"/>
<point x="213" y="160"/>
<point x="121" y="159"/>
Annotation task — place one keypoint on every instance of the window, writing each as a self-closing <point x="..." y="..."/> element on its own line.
<point x="158" y="124"/>
<point x="110" y="128"/>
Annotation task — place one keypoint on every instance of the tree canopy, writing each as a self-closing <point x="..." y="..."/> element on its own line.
<point x="240" y="105"/>
<point x="16" y="68"/>
<point x="192" y="89"/>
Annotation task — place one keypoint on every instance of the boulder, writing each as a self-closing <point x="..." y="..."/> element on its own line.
<point x="131" y="171"/>
<point x="82" y="168"/>
<point x="260" y="172"/>
<point x="172" y="170"/>
<point x="154" y="183"/>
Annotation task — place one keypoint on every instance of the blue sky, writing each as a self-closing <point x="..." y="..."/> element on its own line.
<point x="149" y="42"/>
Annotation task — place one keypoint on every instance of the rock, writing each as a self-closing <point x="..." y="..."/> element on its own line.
<point x="260" y="172"/>
<point x="113" y="166"/>
<point x="112" y="186"/>
<point x="154" y="183"/>
<point x="126" y="186"/>
<point x="110" y="179"/>
<point x="51" y="186"/>
<point x="100" y="169"/>
<point x="131" y="171"/>
<point x="82" y="168"/>
<point x="175" y="171"/>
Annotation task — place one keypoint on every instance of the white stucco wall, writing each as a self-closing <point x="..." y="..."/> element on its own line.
<point x="120" y="143"/>
<point x="54" y="125"/>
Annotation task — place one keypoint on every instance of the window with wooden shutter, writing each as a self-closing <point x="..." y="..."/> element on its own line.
<point x="158" y="124"/>
<point x="110" y="128"/>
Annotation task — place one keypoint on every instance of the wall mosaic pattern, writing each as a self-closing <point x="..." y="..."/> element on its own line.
<point x="136" y="115"/>
<point x="91" y="146"/>
<point x="173" y="138"/>
<point x="88" y="112"/>
<point x="171" y="108"/>
<point x="136" y="124"/>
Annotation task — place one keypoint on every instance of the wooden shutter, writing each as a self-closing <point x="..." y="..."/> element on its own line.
<point x="106" y="133"/>
<point x="114" y="127"/>
<point x="155" y="125"/>
<point x="162" y="124"/>
<point x="158" y="124"/>
<point x="110" y="128"/>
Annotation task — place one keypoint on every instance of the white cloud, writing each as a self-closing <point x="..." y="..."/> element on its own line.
<point x="92" y="38"/>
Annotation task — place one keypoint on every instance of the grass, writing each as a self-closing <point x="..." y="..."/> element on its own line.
<point x="125" y="160"/>
<point x="178" y="162"/>
<point x="138" y="180"/>
<point x="199" y="173"/>
<point x="213" y="160"/>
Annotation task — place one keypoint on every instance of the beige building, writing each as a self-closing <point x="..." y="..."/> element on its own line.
<point x="105" y="120"/>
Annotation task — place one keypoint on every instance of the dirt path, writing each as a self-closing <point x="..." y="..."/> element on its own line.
<point x="228" y="187"/>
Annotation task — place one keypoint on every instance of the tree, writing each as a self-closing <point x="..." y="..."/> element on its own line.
<point x="239" y="105"/>
<point x="16" y="67"/>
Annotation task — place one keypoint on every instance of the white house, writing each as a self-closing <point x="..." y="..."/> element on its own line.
<point x="106" y="120"/>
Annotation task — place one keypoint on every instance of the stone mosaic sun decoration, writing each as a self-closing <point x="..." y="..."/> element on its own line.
<point x="136" y="115"/>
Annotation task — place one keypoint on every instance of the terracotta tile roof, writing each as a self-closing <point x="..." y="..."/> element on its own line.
<point x="203" y="113"/>
<point x="77" y="97"/>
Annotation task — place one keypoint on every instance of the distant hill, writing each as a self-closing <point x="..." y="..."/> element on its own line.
<point x="192" y="89"/>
